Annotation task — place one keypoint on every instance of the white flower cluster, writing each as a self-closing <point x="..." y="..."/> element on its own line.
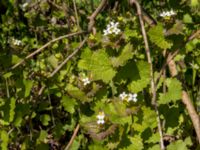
<point x="17" y="42"/>
<point x="167" y="13"/>
<point x="85" y="81"/>
<point x="128" y="97"/>
<point x="112" y="28"/>
<point x="101" y="117"/>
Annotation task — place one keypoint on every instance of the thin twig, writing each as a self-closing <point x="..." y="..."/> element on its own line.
<point x="41" y="90"/>
<point x="185" y="97"/>
<point x="68" y="58"/>
<point x="171" y="55"/>
<point x="90" y="26"/>
<point x="73" y="137"/>
<point x="169" y="58"/>
<point x="76" y="14"/>
<point x="44" y="46"/>
<point x="94" y="14"/>
<point x="52" y="116"/>
<point x="153" y="87"/>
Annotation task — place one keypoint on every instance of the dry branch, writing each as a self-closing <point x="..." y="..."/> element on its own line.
<point x="192" y="113"/>
<point x="153" y="87"/>
<point x="69" y="57"/>
<point x="44" y="46"/>
<point x="73" y="137"/>
<point x="185" y="98"/>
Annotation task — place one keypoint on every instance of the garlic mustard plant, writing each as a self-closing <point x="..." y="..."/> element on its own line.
<point x="85" y="81"/>
<point x="128" y="97"/>
<point x="123" y="96"/>
<point x="132" y="97"/>
<point x="17" y="42"/>
<point x="167" y="13"/>
<point x="112" y="28"/>
<point x="101" y="117"/>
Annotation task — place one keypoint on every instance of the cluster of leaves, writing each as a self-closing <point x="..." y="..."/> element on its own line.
<point x="41" y="112"/>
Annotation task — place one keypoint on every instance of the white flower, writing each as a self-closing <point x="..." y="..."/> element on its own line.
<point x="112" y="28"/>
<point x="132" y="97"/>
<point x="17" y="42"/>
<point x="123" y="95"/>
<point x="172" y="12"/>
<point x="85" y="81"/>
<point x="100" y="121"/>
<point x="100" y="118"/>
<point x="128" y="97"/>
<point x="167" y="13"/>
<point x="24" y="5"/>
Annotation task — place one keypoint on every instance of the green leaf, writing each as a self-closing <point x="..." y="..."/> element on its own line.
<point x="68" y="104"/>
<point x="42" y="136"/>
<point x="187" y="18"/>
<point x="45" y="119"/>
<point x="27" y="85"/>
<point x="155" y="138"/>
<point x="15" y="59"/>
<point x="155" y="147"/>
<point x="8" y="111"/>
<point x="21" y="110"/>
<point x="77" y="93"/>
<point x="144" y="120"/>
<point x="96" y="147"/>
<point x="194" y="3"/>
<point x="125" y="55"/>
<point x="176" y="29"/>
<point x="12" y="109"/>
<point x="136" y="143"/>
<point x="180" y="145"/>
<point x="98" y="63"/>
<point x="141" y="78"/>
<point x="8" y="75"/>
<point x="173" y="93"/>
<point x="156" y="36"/>
<point x="53" y="61"/>
<point x="4" y="140"/>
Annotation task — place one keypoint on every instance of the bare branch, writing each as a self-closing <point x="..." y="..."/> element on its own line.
<point x="68" y="58"/>
<point x="94" y="14"/>
<point x="73" y="137"/>
<point x="153" y="87"/>
<point x="192" y="113"/>
<point x="44" y="46"/>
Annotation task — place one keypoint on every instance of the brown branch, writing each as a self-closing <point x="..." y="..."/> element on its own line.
<point x="192" y="113"/>
<point x="153" y="87"/>
<point x="44" y="46"/>
<point x="148" y="18"/>
<point x="90" y="26"/>
<point x="69" y="57"/>
<point x="72" y="138"/>
<point x="171" y="56"/>
<point x="194" y="35"/>
<point x="94" y="14"/>
<point x="185" y="98"/>
<point x="76" y="14"/>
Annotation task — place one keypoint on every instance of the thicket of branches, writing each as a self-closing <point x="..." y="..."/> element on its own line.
<point x="99" y="74"/>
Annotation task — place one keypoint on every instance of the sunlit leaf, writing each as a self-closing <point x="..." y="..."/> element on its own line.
<point x="156" y="35"/>
<point x="173" y="93"/>
<point x="98" y="63"/>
